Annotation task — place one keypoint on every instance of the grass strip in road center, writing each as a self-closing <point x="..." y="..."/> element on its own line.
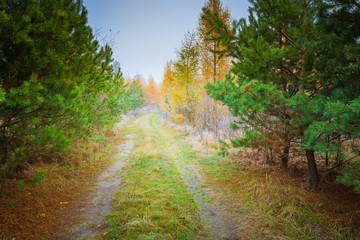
<point x="153" y="202"/>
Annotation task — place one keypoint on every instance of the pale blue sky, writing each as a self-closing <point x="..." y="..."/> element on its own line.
<point x="145" y="33"/>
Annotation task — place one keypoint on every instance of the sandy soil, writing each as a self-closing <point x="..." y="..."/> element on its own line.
<point x="87" y="219"/>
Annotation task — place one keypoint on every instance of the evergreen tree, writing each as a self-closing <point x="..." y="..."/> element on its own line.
<point x="292" y="76"/>
<point x="267" y="49"/>
<point x="269" y="73"/>
<point x="56" y="81"/>
<point x="135" y="96"/>
<point x="337" y="129"/>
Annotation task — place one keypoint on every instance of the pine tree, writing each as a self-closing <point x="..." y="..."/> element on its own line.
<point x="56" y="81"/>
<point x="135" y="95"/>
<point x="336" y="131"/>
<point x="294" y="67"/>
<point x="270" y="70"/>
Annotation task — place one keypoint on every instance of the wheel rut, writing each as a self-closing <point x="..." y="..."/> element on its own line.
<point x="87" y="220"/>
<point x="213" y="213"/>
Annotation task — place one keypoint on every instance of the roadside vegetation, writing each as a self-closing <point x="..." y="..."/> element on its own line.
<point x="270" y="204"/>
<point x="34" y="202"/>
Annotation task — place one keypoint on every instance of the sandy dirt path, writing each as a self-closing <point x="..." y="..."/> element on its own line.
<point x="87" y="221"/>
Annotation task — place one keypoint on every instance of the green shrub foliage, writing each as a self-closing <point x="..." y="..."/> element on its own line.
<point x="135" y="96"/>
<point x="56" y="81"/>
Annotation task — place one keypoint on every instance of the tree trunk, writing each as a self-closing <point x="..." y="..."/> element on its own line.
<point x="327" y="153"/>
<point x="339" y="154"/>
<point x="286" y="141"/>
<point x="327" y="159"/>
<point x="285" y="155"/>
<point x="214" y="62"/>
<point x="314" y="178"/>
<point x="269" y="156"/>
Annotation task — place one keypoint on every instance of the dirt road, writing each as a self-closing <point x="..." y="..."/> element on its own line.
<point x="161" y="192"/>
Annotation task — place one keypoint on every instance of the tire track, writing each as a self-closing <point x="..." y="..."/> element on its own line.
<point x="88" y="221"/>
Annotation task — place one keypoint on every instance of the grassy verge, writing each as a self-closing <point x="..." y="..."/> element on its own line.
<point x="271" y="205"/>
<point x="153" y="202"/>
<point x="31" y="206"/>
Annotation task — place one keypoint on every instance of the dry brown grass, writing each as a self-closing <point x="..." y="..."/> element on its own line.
<point x="31" y="207"/>
<point x="271" y="204"/>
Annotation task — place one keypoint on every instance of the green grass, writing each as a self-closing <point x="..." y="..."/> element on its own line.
<point x="153" y="202"/>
